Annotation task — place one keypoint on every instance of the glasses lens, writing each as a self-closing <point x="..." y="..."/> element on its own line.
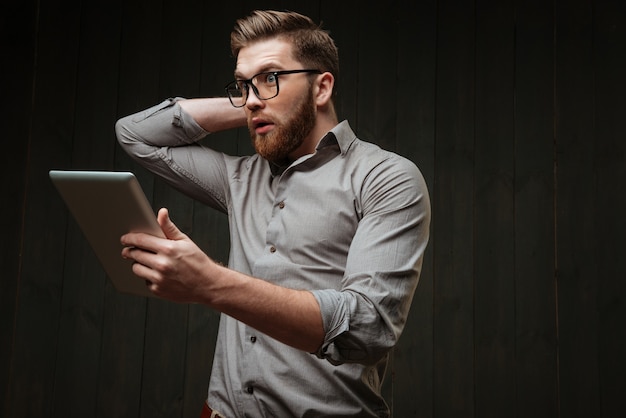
<point x="266" y="85"/>
<point x="236" y="93"/>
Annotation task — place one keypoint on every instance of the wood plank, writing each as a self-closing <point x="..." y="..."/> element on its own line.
<point x="341" y="20"/>
<point x="576" y="244"/>
<point x="376" y="75"/>
<point x="41" y="276"/>
<point x="17" y="41"/>
<point x="453" y="232"/>
<point x="494" y="252"/>
<point x="609" y="61"/>
<point x="76" y="383"/>
<point x="121" y="358"/>
<point x="535" y="285"/>
<point x="123" y="329"/>
<point x="413" y="356"/>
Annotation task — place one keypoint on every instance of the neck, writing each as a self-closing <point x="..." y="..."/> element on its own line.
<point x="326" y="120"/>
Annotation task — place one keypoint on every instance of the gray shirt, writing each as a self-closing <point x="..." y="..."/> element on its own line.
<point x="350" y="223"/>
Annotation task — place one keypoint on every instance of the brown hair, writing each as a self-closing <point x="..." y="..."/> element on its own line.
<point x="312" y="46"/>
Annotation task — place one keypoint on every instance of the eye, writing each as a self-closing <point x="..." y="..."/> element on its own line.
<point x="271" y="78"/>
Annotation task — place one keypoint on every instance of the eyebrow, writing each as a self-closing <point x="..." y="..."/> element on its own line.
<point x="272" y="66"/>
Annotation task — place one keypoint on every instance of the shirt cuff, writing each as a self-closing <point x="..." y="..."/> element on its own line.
<point x="336" y="320"/>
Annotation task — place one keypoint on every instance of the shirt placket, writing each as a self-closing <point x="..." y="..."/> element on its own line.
<point x="253" y="339"/>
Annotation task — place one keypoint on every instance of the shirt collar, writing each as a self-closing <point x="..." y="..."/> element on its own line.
<point x="341" y="135"/>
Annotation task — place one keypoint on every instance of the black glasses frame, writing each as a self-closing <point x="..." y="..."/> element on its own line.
<point x="234" y="85"/>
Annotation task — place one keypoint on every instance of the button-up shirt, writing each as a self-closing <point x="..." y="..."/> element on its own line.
<point x="349" y="223"/>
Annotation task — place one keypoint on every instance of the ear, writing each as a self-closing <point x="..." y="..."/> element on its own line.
<point x="324" y="93"/>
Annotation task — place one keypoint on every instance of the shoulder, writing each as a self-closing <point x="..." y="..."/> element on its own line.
<point x="385" y="180"/>
<point x="364" y="155"/>
<point x="375" y="160"/>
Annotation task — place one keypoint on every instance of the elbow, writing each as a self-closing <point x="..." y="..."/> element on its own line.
<point x="357" y="329"/>
<point x="122" y="131"/>
<point x="348" y="348"/>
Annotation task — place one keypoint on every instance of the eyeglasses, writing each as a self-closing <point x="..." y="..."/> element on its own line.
<point x="264" y="85"/>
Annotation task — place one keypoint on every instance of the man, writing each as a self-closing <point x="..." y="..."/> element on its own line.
<point x="327" y="232"/>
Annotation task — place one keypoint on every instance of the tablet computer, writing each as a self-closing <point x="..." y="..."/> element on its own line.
<point x="107" y="205"/>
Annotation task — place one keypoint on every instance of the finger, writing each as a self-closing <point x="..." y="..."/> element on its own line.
<point x="139" y="240"/>
<point x="170" y="230"/>
<point x="152" y="287"/>
<point x="145" y="272"/>
<point x="133" y="253"/>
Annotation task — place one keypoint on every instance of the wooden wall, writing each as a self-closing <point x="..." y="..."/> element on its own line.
<point x="514" y="111"/>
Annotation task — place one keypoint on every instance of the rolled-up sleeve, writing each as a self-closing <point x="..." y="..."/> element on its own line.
<point x="365" y="318"/>
<point x="164" y="124"/>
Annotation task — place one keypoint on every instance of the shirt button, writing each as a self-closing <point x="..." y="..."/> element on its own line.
<point x="281" y="205"/>
<point x="250" y="389"/>
<point x="272" y="249"/>
<point x="253" y="339"/>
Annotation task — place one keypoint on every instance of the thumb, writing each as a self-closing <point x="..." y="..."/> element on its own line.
<point x="170" y="230"/>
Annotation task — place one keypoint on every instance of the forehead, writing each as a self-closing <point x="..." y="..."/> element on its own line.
<point x="264" y="55"/>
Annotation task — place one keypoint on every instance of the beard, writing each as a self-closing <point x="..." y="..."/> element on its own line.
<point x="287" y="135"/>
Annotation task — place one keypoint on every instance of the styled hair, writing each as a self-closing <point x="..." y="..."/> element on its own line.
<point x="311" y="45"/>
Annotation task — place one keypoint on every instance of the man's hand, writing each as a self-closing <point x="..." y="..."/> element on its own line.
<point x="174" y="267"/>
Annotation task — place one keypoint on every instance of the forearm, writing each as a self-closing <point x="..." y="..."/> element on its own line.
<point x="290" y="316"/>
<point x="214" y="114"/>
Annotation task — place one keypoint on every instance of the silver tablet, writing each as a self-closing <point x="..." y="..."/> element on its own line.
<point x="106" y="205"/>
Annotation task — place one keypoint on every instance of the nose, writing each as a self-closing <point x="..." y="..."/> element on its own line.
<point x="253" y="101"/>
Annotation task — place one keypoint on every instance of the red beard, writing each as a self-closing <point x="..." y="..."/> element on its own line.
<point x="286" y="136"/>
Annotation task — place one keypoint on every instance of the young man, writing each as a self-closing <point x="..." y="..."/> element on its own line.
<point x="327" y="232"/>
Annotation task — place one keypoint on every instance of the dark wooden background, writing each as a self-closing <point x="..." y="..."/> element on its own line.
<point x="514" y="111"/>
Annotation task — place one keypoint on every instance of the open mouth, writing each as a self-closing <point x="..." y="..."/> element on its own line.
<point x="262" y="126"/>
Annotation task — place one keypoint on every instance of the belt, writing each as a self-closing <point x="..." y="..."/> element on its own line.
<point x="207" y="412"/>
